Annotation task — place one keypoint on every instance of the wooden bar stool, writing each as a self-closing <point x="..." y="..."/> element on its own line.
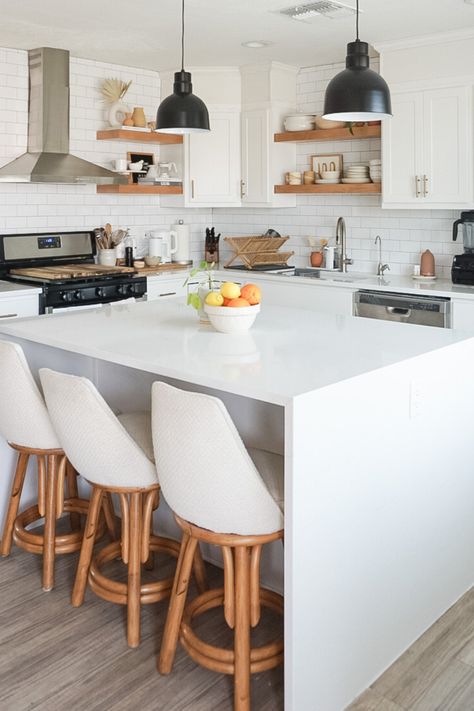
<point x="115" y="456"/>
<point x="25" y="424"/>
<point x="223" y="494"/>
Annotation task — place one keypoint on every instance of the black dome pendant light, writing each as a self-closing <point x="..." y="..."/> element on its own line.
<point x="357" y="93"/>
<point x="182" y="111"/>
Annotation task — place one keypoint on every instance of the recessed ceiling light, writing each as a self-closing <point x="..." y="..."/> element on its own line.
<point x="256" y="44"/>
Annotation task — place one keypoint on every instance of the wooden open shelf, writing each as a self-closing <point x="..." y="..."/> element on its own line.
<point x="330" y="134"/>
<point x="120" y="134"/>
<point x="134" y="189"/>
<point x="361" y="189"/>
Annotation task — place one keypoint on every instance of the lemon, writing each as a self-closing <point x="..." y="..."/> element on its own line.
<point x="214" y="299"/>
<point x="229" y="290"/>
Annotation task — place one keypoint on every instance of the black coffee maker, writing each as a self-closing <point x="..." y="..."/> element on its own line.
<point x="462" y="271"/>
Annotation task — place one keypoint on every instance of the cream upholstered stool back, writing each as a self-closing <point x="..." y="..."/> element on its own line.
<point x="112" y="457"/>
<point x="218" y="496"/>
<point x="204" y="469"/>
<point x="93" y="438"/>
<point x="26" y="425"/>
<point x="24" y="419"/>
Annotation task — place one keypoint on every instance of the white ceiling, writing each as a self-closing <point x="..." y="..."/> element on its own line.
<point x="145" y="33"/>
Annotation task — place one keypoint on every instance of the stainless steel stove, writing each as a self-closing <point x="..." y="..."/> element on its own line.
<point x="62" y="263"/>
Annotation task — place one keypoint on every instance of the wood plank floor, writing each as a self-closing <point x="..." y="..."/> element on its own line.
<point x="435" y="674"/>
<point x="57" y="658"/>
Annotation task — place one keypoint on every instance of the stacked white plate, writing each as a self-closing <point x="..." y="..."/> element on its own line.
<point x="376" y="170"/>
<point x="356" y="174"/>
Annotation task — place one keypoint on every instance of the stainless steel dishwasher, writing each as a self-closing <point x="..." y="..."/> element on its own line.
<point x="404" y="308"/>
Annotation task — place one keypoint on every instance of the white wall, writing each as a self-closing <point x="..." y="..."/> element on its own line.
<point x="405" y="233"/>
<point x="26" y="207"/>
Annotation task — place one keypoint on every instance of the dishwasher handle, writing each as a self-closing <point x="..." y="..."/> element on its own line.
<point x="398" y="311"/>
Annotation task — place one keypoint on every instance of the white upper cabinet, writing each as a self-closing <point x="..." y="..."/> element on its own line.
<point x="212" y="163"/>
<point x="255" y="156"/>
<point x="447" y="165"/>
<point x="402" y="149"/>
<point x="427" y="149"/>
<point x="264" y="162"/>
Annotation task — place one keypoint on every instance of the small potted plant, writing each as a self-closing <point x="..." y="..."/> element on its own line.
<point x="206" y="284"/>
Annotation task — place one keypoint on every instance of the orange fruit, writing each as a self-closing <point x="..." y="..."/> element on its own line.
<point x="238" y="303"/>
<point x="252" y="293"/>
<point x="226" y="301"/>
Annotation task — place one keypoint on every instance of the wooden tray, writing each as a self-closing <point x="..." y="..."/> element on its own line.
<point x="254" y="251"/>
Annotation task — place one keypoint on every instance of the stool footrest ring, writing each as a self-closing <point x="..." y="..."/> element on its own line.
<point x="64" y="542"/>
<point x="217" y="658"/>
<point x="114" y="591"/>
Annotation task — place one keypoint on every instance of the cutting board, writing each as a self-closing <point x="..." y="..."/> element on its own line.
<point x="71" y="271"/>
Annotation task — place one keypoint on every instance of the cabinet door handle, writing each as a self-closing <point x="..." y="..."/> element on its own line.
<point x="9" y="316"/>
<point x="192" y="189"/>
<point x="168" y="293"/>
<point x="417" y="186"/>
<point x="242" y="188"/>
<point x="425" y="185"/>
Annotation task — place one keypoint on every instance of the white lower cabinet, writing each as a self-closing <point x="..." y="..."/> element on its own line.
<point x="161" y="288"/>
<point x="18" y="306"/>
<point x="462" y="314"/>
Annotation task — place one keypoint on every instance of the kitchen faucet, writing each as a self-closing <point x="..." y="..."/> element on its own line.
<point x="341" y="240"/>
<point x="381" y="267"/>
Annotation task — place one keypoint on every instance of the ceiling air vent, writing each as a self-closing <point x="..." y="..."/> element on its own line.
<point x="314" y="10"/>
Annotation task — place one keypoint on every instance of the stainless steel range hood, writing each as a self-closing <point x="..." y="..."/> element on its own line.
<point x="48" y="159"/>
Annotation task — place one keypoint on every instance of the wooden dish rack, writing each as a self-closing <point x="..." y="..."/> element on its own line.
<point x="255" y="251"/>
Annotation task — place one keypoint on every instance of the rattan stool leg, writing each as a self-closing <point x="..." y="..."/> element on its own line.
<point x="176" y="605"/>
<point x="88" y="541"/>
<point x="242" y="630"/>
<point x="134" y="572"/>
<point x="53" y="463"/>
<point x="17" y="487"/>
<point x="109" y="514"/>
<point x="199" y="570"/>
<point x="73" y="493"/>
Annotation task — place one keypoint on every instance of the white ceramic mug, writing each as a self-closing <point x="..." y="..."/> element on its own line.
<point x="120" y="164"/>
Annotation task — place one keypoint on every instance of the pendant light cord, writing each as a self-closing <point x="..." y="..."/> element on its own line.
<point x="182" y="36"/>
<point x="357" y="19"/>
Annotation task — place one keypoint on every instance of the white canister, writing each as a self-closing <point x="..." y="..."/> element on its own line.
<point x="107" y="257"/>
<point x="180" y="233"/>
<point x="329" y="257"/>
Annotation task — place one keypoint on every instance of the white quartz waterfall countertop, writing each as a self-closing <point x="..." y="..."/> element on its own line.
<point x="288" y="351"/>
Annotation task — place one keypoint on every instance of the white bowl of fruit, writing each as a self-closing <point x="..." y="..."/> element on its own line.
<point x="233" y="309"/>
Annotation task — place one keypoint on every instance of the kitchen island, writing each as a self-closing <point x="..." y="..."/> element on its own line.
<point x="374" y="421"/>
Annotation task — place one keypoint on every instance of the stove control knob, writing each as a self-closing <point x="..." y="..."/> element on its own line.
<point x="100" y="292"/>
<point x="66" y="295"/>
<point x="78" y="295"/>
<point x="131" y="289"/>
<point x="122" y="289"/>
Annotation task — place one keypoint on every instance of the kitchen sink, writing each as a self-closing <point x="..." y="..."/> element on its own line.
<point x="327" y="276"/>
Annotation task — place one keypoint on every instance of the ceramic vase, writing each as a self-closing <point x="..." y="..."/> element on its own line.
<point x="117" y="112"/>
<point x="107" y="257"/>
<point x="138" y="116"/>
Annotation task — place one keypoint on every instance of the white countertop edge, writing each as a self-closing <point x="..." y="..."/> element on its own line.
<point x="396" y="284"/>
<point x="8" y="287"/>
